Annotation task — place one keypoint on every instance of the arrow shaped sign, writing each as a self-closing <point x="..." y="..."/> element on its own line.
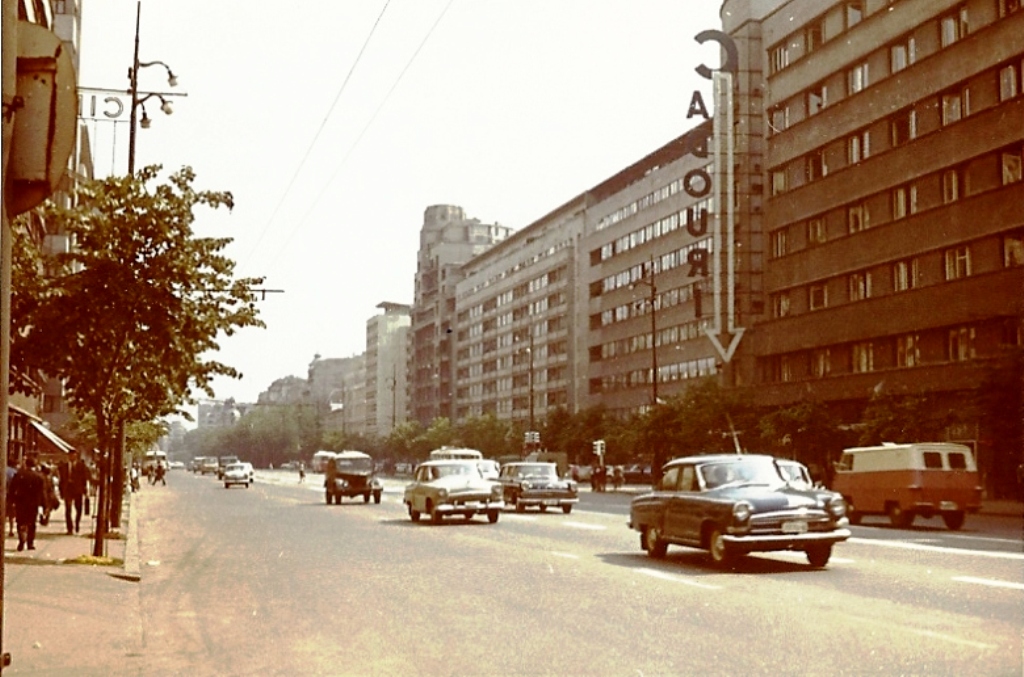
<point x="726" y="353"/>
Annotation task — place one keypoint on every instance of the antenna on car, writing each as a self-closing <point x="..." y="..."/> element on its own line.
<point x="735" y="435"/>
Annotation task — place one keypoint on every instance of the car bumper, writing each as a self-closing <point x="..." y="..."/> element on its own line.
<point x="550" y="501"/>
<point x="767" y="542"/>
<point x="469" y="506"/>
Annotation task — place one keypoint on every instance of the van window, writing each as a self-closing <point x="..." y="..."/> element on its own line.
<point x="957" y="461"/>
<point x="933" y="460"/>
<point x="845" y="462"/>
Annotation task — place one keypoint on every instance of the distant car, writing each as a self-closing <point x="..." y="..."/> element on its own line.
<point x="175" y="465"/>
<point x="350" y="474"/>
<point x="237" y="473"/>
<point x="736" y="504"/>
<point x="452" y="487"/>
<point x="638" y="474"/>
<point x="489" y="469"/>
<point x="222" y="463"/>
<point x="209" y="465"/>
<point x="528" y="484"/>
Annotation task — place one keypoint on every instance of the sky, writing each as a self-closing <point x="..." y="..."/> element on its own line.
<point x="335" y="124"/>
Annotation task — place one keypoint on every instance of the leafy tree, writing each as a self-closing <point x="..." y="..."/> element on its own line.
<point x="487" y="434"/>
<point x="900" y="417"/>
<point x="805" y="431"/>
<point x="126" y="317"/>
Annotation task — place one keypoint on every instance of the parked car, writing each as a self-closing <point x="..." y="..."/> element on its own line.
<point x="903" y="481"/>
<point x="349" y="474"/>
<point x="638" y="474"/>
<point x="237" y="473"/>
<point x="736" y="504"/>
<point x="452" y="487"/>
<point x="526" y="485"/>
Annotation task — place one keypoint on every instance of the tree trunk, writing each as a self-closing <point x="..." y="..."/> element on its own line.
<point x="101" y="462"/>
<point x="117" y="478"/>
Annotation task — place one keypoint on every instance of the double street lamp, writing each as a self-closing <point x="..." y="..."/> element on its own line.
<point x="652" y="300"/>
<point x="137" y="101"/>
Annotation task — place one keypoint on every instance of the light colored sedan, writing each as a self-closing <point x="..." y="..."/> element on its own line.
<point x="237" y="473"/>
<point x="441" y="488"/>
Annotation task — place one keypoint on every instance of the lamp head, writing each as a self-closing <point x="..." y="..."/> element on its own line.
<point x="172" y="79"/>
<point x="165" y="106"/>
<point x="145" y="121"/>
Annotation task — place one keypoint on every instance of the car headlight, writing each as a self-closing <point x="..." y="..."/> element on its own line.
<point x="741" y="512"/>
<point x="527" y="485"/>
<point x="837" y="507"/>
<point x="497" y="492"/>
<point x="442" y="493"/>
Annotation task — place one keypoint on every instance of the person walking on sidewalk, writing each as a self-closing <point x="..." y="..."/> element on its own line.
<point x="74" y="481"/>
<point x="28" y="497"/>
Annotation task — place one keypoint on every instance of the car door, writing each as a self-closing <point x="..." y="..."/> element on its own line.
<point x="680" y="513"/>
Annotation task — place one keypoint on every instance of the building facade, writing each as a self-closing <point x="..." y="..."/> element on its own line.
<point x="387" y="337"/>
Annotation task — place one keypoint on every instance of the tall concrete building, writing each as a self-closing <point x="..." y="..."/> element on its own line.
<point x="447" y="240"/>
<point x="387" y="337"/>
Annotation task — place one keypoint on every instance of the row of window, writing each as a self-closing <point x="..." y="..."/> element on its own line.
<point x="818" y="32"/>
<point x="515" y="270"/>
<point x="510" y="407"/>
<point x="695" y="216"/>
<point x="667" y="373"/>
<point x="667" y="336"/>
<point x="664" y="299"/>
<point x="662" y="263"/>
<point x="642" y="203"/>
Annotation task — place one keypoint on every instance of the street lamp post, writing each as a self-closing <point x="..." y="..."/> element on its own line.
<point x="133" y="79"/>
<point x="652" y="283"/>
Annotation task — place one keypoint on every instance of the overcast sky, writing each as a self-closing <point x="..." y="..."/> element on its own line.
<point x="507" y="108"/>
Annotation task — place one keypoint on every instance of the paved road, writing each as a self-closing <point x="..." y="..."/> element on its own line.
<point x="270" y="580"/>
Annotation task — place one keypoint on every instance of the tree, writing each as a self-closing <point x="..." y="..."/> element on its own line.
<point x="126" y="318"/>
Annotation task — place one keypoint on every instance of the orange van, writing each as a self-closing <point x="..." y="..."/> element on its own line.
<point x="907" y="480"/>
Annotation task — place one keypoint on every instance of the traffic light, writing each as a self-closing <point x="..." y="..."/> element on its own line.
<point x="599" y="448"/>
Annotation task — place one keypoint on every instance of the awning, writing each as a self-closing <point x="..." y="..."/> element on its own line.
<point x="51" y="437"/>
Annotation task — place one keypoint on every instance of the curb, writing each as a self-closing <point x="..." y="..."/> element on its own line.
<point x="131" y="571"/>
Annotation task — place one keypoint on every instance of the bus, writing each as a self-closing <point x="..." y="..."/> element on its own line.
<point x="451" y="453"/>
<point x="151" y="460"/>
<point x="319" y="462"/>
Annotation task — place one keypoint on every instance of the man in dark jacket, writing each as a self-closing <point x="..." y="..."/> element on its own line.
<point x="74" y="481"/>
<point x="27" y="495"/>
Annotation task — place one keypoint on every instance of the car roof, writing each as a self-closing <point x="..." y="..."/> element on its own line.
<point x="453" y="461"/>
<point x="716" y="458"/>
<point x="351" y="454"/>
<point x="518" y="463"/>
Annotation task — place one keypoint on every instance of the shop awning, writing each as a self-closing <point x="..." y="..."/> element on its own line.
<point x="51" y="438"/>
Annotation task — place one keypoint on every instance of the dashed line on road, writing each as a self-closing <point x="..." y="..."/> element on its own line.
<point x="992" y="582"/>
<point x="653" y="573"/>
<point x="952" y="639"/>
<point x="584" y="525"/>
<point x="937" y="549"/>
<point x="566" y="555"/>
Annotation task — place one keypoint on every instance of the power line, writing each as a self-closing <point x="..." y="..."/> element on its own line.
<point x="359" y="138"/>
<point x="312" y="143"/>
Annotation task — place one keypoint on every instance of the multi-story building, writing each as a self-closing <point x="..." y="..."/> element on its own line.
<point x="447" y="240"/>
<point x="516" y="353"/>
<point x="387" y="336"/>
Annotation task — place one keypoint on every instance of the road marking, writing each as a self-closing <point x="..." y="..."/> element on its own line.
<point x="792" y="554"/>
<point x="567" y="555"/>
<point x="936" y="548"/>
<point x="584" y="525"/>
<point x="984" y="538"/>
<point x="953" y="639"/>
<point x="989" y="581"/>
<point x="522" y="518"/>
<point x="653" y="573"/>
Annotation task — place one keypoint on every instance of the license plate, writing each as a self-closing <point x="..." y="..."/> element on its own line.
<point x="948" y="505"/>
<point x="550" y="502"/>
<point x="794" y="527"/>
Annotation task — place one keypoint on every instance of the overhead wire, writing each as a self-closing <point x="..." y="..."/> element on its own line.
<point x="316" y="137"/>
<point x="359" y="138"/>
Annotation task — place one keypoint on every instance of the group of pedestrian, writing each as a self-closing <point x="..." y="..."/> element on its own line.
<point x="32" y="496"/>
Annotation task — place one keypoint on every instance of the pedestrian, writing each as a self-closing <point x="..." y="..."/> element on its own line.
<point x="73" y="484"/>
<point x="27" y="488"/>
<point x="11" y="471"/>
<point x="302" y="472"/>
<point x="159" y="474"/>
<point x="133" y="476"/>
<point x="50" y="500"/>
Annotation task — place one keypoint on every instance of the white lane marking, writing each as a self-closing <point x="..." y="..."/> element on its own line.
<point x="792" y="554"/>
<point x="567" y="555"/>
<point x="937" y="548"/>
<point x="676" y="579"/>
<point x="517" y="516"/>
<point x="990" y="582"/>
<point x="952" y="638"/>
<point x="984" y="538"/>
<point x="584" y="525"/>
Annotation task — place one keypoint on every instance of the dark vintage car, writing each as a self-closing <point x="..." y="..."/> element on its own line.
<point x="534" y="484"/>
<point x="731" y="505"/>
<point x="350" y="474"/>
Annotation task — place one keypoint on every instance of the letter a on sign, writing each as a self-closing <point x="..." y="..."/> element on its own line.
<point x="697" y="107"/>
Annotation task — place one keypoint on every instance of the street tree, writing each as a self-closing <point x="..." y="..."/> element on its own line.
<point x="129" y="317"/>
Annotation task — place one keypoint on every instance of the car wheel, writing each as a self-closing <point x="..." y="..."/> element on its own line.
<point x="519" y="505"/>
<point x="818" y="555"/>
<point x="543" y="508"/>
<point x="851" y="512"/>
<point x="227" y="486"/>
<point x="900" y="518"/>
<point x="653" y="544"/>
<point x="567" y="508"/>
<point x="327" y="497"/>
<point x="414" y="514"/>
<point x="716" y="546"/>
<point x="954" y="520"/>
<point x="492" y="516"/>
<point x="366" y="497"/>
<point x="435" y="514"/>
<point x="376" y="497"/>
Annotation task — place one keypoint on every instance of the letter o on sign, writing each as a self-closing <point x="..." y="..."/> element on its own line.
<point x="697" y="183"/>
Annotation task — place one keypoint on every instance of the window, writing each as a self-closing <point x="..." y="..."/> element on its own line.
<point x="904" y="201"/>
<point x="1009" y="81"/>
<point x="1009" y="6"/>
<point x="780" y="242"/>
<point x="908" y="353"/>
<point x="1011" y="161"/>
<point x="953" y="27"/>
<point x="860" y="286"/>
<point x="960" y="346"/>
<point x="955" y="105"/>
<point x="785" y="368"/>
<point x="814" y="36"/>
<point x="858" y="147"/>
<point x="779" y="182"/>
<point x="1013" y="250"/>
<point x="854" y="13"/>
<point x="857" y="217"/>
<point x="779" y="120"/>
<point x="904" y="127"/>
<point x="953" y="187"/>
<point x="780" y="305"/>
<point x="904" y="275"/>
<point x="815" y="167"/>
<point x="958" y="263"/>
<point x="857" y="78"/>
<point x="817" y="99"/>
<point x="817" y="297"/>
<point x="816" y="230"/>
<point x="902" y="54"/>
<point x="863" y="357"/>
<point x="779" y="58"/>
<point x="821" y="362"/>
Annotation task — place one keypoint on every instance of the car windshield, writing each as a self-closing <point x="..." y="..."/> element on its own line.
<point x="236" y="466"/>
<point x="452" y="469"/>
<point x="539" y="471"/>
<point x="737" y="472"/>
<point x="353" y="464"/>
<point x="794" y="473"/>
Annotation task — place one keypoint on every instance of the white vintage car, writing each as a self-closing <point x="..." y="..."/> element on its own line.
<point x="452" y="487"/>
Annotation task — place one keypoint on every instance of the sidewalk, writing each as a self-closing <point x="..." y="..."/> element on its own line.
<point x="62" y="617"/>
